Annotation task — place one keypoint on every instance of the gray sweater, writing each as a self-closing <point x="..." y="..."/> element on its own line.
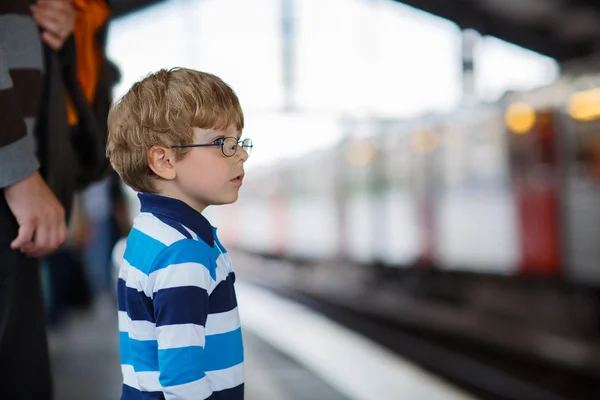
<point x="21" y="82"/>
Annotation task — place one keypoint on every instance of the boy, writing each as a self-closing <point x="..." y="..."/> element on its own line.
<point x="175" y="138"/>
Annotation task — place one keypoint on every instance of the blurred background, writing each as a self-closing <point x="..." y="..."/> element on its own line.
<point x="420" y="216"/>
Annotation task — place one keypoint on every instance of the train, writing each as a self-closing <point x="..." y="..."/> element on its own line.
<point x="509" y="188"/>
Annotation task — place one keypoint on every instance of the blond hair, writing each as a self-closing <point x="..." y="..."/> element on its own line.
<point x="161" y="110"/>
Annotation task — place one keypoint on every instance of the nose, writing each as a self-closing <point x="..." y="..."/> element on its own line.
<point x="242" y="154"/>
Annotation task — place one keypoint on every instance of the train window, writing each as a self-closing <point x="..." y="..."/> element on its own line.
<point x="473" y="154"/>
<point x="587" y="149"/>
<point x="533" y="154"/>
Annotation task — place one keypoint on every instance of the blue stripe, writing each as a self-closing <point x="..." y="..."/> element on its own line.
<point x="142" y="354"/>
<point x="139" y="306"/>
<point x="130" y="393"/>
<point x="186" y="251"/>
<point x="223" y="298"/>
<point x="175" y="225"/>
<point x="124" y="348"/>
<point x="224" y="350"/>
<point x="181" y="305"/>
<point x="142" y="250"/>
<point x="181" y="365"/>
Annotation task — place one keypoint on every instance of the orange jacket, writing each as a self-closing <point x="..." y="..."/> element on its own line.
<point x="91" y="16"/>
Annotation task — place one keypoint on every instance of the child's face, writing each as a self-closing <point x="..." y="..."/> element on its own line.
<point x="205" y="176"/>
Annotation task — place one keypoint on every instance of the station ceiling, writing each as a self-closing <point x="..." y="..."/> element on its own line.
<point x="562" y="29"/>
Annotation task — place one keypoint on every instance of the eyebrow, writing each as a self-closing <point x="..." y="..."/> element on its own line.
<point x="216" y="134"/>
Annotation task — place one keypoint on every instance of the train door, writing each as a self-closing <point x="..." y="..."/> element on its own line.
<point x="476" y="216"/>
<point x="536" y="177"/>
<point x="581" y="132"/>
<point x="424" y="171"/>
<point x="395" y="216"/>
<point x="359" y="153"/>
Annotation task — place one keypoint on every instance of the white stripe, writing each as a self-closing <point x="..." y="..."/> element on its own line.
<point x="197" y="390"/>
<point x="129" y="377"/>
<point x="191" y="232"/>
<point x="177" y="275"/>
<point x="138" y="330"/>
<point x="182" y="335"/>
<point x="223" y="322"/>
<point x="156" y="229"/>
<point x="141" y="330"/>
<point x="135" y="278"/>
<point x="123" y="321"/>
<point x="123" y="268"/>
<point x="148" y="381"/>
<point x="223" y="268"/>
<point x="145" y="381"/>
<point x="226" y="378"/>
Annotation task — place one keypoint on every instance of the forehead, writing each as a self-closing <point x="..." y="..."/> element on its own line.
<point x="231" y="130"/>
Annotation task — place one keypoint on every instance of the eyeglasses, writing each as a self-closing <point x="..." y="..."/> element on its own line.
<point x="229" y="145"/>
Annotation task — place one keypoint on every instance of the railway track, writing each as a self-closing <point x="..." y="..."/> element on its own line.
<point x="487" y="372"/>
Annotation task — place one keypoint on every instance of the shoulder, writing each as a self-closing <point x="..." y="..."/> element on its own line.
<point x="151" y="239"/>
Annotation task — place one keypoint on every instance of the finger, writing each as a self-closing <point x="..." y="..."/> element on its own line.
<point x="59" y="233"/>
<point x="60" y="11"/>
<point x="28" y="249"/>
<point x="48" y="21"/>
<point x="42" y="239"/>
<point x="24" y="236"/>
<point x="53" y="41"/>
<point x="56" y="7"/>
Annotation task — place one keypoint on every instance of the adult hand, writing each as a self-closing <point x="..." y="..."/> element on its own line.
<point x="57" y="17"/>
<point x="41" y="218"/>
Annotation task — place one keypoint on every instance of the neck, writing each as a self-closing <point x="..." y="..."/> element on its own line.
<point x="168" y="190"/>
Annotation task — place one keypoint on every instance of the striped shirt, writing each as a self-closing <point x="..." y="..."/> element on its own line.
<point x="180" y="335"/>
<point x="21" y="83"/>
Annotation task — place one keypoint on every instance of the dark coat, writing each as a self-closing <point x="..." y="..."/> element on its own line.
<point x="73" y="157"/>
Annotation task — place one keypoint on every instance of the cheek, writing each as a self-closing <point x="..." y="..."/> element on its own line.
<point x="203" y="172"/>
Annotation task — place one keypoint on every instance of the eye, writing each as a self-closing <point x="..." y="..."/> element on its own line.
<point x="218" y="141"/>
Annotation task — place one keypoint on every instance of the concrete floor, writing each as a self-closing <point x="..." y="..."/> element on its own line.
<point x="85" y="359"/>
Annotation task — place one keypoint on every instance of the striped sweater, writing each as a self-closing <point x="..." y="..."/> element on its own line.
<point x="21" y="83"/>
<point x="180" y="335"/>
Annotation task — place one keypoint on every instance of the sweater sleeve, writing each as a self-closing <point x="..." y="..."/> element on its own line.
<point x="20" y="81"/>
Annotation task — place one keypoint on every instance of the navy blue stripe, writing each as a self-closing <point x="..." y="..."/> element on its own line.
<point x="130" y="393"/>
<point x="139" y="306"/>
<point x="179" y="211"/>
<point x="121" y="295"/>
<point x="181" y="305"/>
<point x="235" y="393"/>
<point x="175" y="225"/>
<point x="223" y="299"/>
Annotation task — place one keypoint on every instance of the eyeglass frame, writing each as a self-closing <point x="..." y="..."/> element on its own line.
<point x="222" y="145"/>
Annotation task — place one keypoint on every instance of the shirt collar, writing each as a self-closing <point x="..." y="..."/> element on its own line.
<point x="180" y="212"/>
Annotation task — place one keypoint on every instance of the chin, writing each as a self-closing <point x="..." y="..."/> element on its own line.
<point x="223" y="202"/>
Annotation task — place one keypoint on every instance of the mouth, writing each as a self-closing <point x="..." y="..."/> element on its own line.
<point x="238" y="179"/>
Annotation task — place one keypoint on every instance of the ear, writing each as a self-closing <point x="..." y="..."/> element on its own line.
<point x="162" y="162"/>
